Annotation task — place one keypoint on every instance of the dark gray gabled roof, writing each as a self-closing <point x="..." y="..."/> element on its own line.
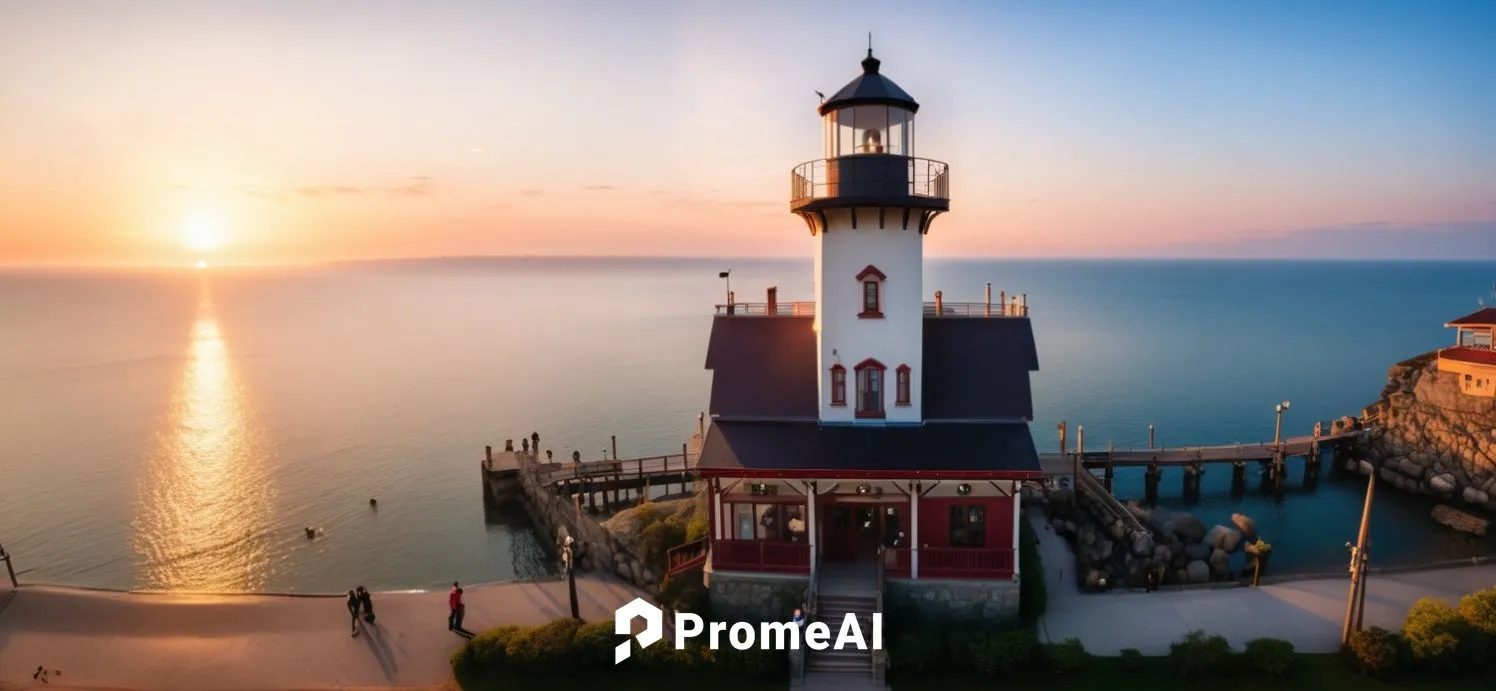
<point x="765" y="368"/>
<point x="801" y="447"/>
<point x="870" y="89"/>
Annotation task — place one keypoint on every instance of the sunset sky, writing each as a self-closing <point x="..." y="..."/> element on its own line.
<point x="273" y="131"/>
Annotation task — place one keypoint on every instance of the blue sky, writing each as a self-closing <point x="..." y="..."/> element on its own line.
<point x="1072" y="128"/>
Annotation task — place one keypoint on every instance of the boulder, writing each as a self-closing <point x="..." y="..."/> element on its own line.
<point x="1187" y="527"/>
<point x="1197" y="572"/>
<point x="1162" y="555"/>
<point x="1220" y="563"/>
<point x="1142" y="544"/>
<point x="1443" y="483"/>
<point x="1475" y="496"/>
<point x="1198" y="552"/>
<point x="1221" y="537"/>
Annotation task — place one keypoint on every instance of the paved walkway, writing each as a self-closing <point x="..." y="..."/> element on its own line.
<point x="268" y="643"/>
<point x="1307" y="613"/>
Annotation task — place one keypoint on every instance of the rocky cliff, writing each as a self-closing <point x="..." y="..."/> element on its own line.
<point x="1428" y="438"/>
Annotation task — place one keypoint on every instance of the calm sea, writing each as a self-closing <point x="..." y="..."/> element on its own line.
<point x="177" y="430"/>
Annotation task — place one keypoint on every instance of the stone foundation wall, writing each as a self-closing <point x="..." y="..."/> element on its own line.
<point x="599" y="550"/>
<point x="739" y="596"/>
<point x="945" y="602"/>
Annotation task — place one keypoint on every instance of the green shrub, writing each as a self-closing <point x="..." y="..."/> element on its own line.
<point x="918" y="650"/>
<point x="1438" y="636"/>
<point x="1271" y="656"/>
<point x="1066" y="658"/>
<point x="1479" y="610"/>
<point x="1376" y="651"/>
<point x="545" y="647"/>
<point x="1033" y="597"/>
<point x="700" y="523"/>
<point x="594" y="644"/>
<point x="658" y="538"/>
<point x="958" y="652"/>
<point x="1199" y="653"/>
<point x="754" y="663"/>
<point x="684" y="592"/>
<point x="1004" y="653"/>
<point x="1131" y="659"/>
<point x="486" y="651"/>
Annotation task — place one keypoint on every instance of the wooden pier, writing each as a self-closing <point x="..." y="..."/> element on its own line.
<point x="1271" y="456"/>
<point x="612" y="482"/>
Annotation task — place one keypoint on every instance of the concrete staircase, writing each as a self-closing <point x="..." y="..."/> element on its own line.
<point x="841" y="592"/>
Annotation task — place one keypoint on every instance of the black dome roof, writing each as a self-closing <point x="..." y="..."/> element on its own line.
<point x="870" y="89"/>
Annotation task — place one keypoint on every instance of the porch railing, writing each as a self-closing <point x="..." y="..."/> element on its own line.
<point x="952" y="562"/>
<point x="764" y="556"/>
<point x="687" y="557"/>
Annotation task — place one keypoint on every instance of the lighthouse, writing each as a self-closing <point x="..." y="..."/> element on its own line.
<point x="868" y="204"/>
<point x="871" y="435"/>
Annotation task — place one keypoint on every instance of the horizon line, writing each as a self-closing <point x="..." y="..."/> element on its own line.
<point x="189" y="265"/>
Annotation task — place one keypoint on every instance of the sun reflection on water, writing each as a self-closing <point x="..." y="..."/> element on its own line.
<point x="203" y="512"/>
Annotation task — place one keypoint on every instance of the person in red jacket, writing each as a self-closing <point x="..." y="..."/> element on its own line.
<point x="454" y="602"/>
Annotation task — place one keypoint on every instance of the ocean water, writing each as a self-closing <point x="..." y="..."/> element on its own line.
<point x="180" y="430"/>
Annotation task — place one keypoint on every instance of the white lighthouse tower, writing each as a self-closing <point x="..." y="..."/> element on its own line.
<point x="869" y="203"/>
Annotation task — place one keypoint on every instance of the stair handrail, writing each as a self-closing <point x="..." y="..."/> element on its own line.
<point x="812" y="597"/>
<point x="880" y="656"/>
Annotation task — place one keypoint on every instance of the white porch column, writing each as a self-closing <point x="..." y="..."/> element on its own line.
<point x="717" y="513"/>
<point x="1017" y="516"/>
<point x="812" y="525"/>
<point x="914" y="531"/>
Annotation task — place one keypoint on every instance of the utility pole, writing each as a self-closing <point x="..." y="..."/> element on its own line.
<point x="1355" y="606"/>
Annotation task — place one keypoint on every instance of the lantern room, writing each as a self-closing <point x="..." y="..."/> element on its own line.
<point x="870" y="115"/>
<point x="867" y="147"/>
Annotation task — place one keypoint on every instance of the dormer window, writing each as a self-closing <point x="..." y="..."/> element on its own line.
<point x="838" y="385"/>
<point x="901" y="385"/>
<point x="870" y="389"/>
<point x="872" y="292"/>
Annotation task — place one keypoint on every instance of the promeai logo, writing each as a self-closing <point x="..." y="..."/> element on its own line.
<point x="742" y="635"/>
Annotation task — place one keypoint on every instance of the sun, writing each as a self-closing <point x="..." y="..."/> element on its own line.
<point x="202" y="264"/>
<point x="203" y="234"/>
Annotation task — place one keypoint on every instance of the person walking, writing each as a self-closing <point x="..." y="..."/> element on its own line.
<point x="366" y="603"/>
<point x="454" y="603"/>
<point x="353" y="605"/>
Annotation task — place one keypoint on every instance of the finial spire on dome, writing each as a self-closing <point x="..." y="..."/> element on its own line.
<point x="870" y="63"/>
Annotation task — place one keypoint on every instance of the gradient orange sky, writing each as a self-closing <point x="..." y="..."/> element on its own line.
<point x="313" y="131"/>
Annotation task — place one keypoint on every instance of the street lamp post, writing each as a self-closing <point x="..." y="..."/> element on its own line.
<point x="1355" y="605"/>
<point x="1278" y="426"/>
<point x="727" y="277"/>
<point x="568" y="558"/>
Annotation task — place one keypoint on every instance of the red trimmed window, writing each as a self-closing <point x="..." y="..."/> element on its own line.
<point x="901" y="385"/>
<point x="838" y="385"/>
<point x="872" y="292"/>
<point x="870" y="388"/>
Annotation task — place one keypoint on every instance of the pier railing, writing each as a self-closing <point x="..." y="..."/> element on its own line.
<point x="975" y="309"/>
<point x="628" y="467"/>
<point x="764" y="309"/>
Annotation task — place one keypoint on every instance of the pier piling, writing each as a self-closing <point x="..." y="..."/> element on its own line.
<point x="1151" y="478"/>
<point x="1192" y="474"/>
<point x="1238" y="479"/>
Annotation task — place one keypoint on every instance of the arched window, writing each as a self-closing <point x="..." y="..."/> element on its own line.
<point x="901" y="385"/>
<point x="870" y="388"/>
<point x="838" y="385"/>
<point x="872" y="292"/>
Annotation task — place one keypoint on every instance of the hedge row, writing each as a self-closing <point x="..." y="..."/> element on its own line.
<point x="1007" y="653"/>
<point x="1436" y="637"/>
<point x="570" y="648"/>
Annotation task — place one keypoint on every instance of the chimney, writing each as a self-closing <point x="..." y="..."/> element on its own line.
<point x="987" y="312"/>
<point x="939" y="310"/>
<point x="771" y="306"/>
